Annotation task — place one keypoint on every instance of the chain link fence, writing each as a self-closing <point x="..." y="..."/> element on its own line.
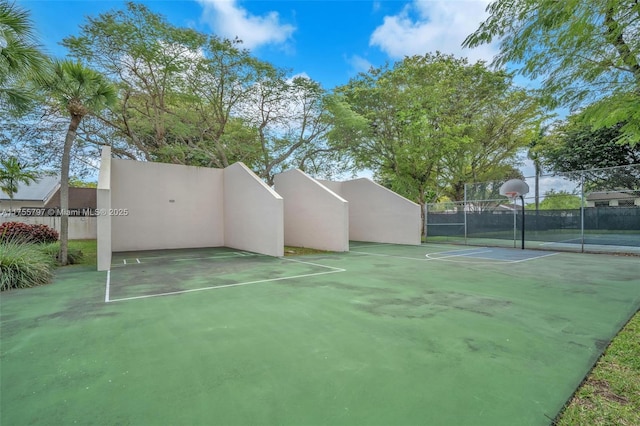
<point x="587" y="211"/>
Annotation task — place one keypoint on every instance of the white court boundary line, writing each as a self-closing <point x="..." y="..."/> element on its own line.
<point x="106" y="294"/>
<point x="493" y="261"/>
<point x="463" y="253"/>
<point x="333" y="270"/>
<point x="220" y="256"/>
<point x="386" y="255"/>
<point x="421" y="259"/>
<point x="360" y="246"/>
<point x="569" y="241"/>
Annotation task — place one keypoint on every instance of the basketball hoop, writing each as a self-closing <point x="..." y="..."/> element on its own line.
<point x="515" y="188"/>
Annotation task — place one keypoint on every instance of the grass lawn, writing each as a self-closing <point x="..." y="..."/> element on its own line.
<point x="610" y="395"/>
<point x="89" y="251"/>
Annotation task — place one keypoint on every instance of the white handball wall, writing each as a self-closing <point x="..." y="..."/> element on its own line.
<point x="314" y="216"/>
<point x="377" y="214"/>
<point x="103" y="202"/>
<point x="167" y="206"/>
<point x="253" y="213"/>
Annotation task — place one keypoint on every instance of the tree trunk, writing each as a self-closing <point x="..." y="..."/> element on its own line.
<point x="422" y="201"/>
<point x="64" y="188"/>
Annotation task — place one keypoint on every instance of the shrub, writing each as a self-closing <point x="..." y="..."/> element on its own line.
<point x="43" y="234"/>
<point x="24" y="232"/>
<point x="23" y="265"/>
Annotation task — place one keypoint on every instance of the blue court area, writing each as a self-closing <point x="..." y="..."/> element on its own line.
<point x="497" y="254"/>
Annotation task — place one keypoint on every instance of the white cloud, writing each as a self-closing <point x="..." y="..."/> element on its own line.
<point x="299" y="75"/>
<point x="429" y="26"/>
<point x="359" y="64"/>
<point x="228" y="19"/>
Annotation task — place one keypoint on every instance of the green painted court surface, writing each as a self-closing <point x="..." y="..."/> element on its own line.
<point x="383" y="335"/>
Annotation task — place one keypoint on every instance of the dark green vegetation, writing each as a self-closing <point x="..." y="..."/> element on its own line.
<point x="20" y="58"/>
<point x="429" y="124"/>
<point x="587" y="53"/>
<point x="394" y="339"/>
<point x="26" y="263"/>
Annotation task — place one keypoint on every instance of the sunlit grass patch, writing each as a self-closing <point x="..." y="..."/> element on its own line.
<point x="611" y="393"/>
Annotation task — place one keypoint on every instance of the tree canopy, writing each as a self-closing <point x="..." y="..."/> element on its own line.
<point x="425" y="125"/>
<point x="196" y="99"/>
<point x="428" y="124"/>
<point x="20" y="57"/>
<point x="584" y="50"/>
<point x="575" y="149"/>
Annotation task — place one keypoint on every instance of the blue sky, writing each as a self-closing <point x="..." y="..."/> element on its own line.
<point x="329" y="41"/>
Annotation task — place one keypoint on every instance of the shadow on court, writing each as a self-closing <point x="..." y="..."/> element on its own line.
<point x="384" y="334"/>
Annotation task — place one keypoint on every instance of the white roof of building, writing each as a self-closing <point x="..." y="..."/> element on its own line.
<point x="39" y="190"/>
<point x="610" y="195"/>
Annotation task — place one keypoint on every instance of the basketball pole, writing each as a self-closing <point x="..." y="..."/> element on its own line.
<point x="522" y="199"/>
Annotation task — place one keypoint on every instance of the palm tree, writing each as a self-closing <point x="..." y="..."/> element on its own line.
<point x="20" y="57"/>
<point x="13" y="172"/>
<point x="77" y="91"/>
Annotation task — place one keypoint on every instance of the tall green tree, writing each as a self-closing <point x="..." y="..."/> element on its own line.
<point x="20" y="57"/>
<point x="584" y="50"/>
<point x="577" y="150"/>
<point x="291" y="120"/>
<point x="12" y="173"/>
<point x="196" y="99"/>
<point x="78" y="92"/>
<point x="150" y="60"/>
<point x="501" y="122"/>
<point x="428" y="124"/>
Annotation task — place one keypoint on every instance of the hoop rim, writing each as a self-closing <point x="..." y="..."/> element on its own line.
<point x="512" y="194"/>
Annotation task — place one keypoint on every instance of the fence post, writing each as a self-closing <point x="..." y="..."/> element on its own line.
<point x="582" y="212"/>
<point x="464" y="212"/>
<point x="426" y="217"/>
<point x="515" y="222"/>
